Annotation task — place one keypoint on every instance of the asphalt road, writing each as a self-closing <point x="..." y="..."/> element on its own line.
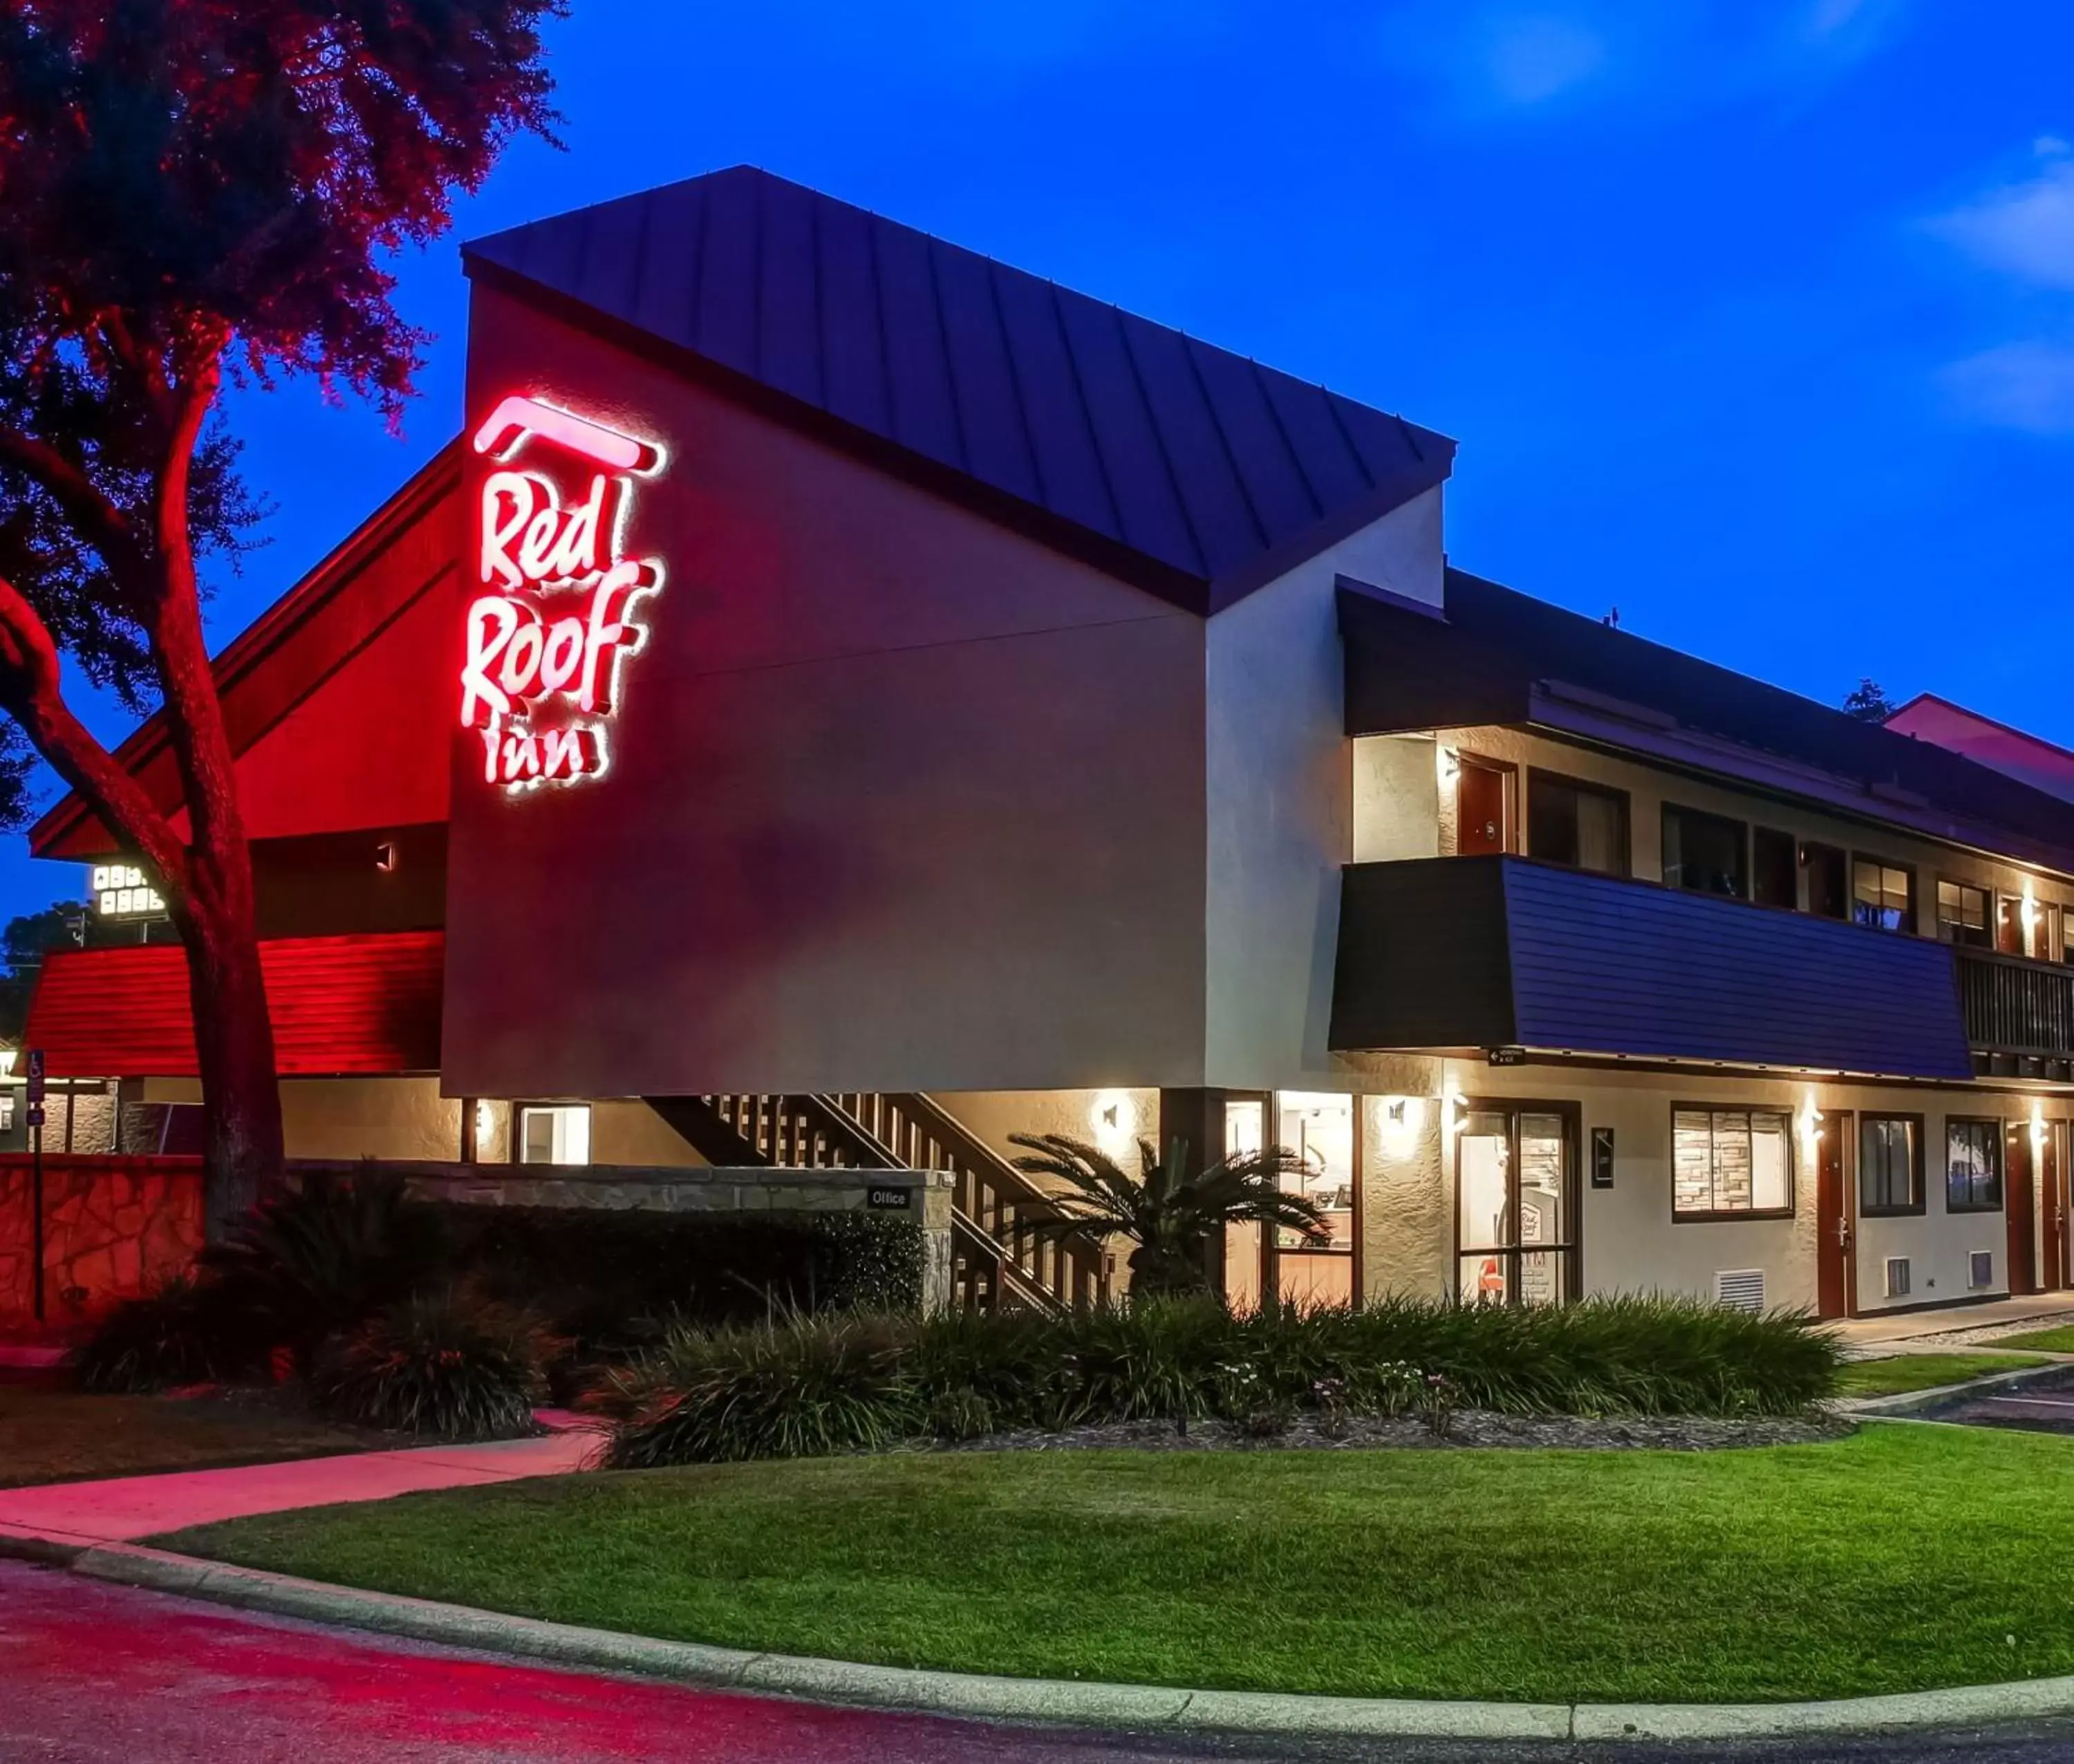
<point x="91" y="1673"/>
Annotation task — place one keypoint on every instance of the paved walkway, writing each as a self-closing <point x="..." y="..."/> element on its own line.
<point x="1931" y="1331"/>
<point x="124" y="1508"/>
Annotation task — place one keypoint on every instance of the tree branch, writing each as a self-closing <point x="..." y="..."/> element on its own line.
<point x="80" y="498"/>
<point x="30" y="692"/>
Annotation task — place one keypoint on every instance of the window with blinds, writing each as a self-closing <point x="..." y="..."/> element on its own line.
<point x="1731" y="1163"/>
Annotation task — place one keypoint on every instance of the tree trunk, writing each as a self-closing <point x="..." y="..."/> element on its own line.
<point x="243" y="1151"/>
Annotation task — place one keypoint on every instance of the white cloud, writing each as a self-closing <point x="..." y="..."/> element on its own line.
<point x="2027" y="386"/>
<point x="2025" y="230"/>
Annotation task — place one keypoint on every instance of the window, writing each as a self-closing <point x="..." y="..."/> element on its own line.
<point x="1890" y="1165"/>
<point x="1828" y="895"/>
<point x="1882" y="895"/>
<point x="1774" y="868"/>
<point x="1733" y="1162"/>
<point x="556" y="1135"/>
<point x="1973" y="1166"/>
<point x="1320" y="1128"/>
<point x="2066" y="933"/>
<point x="1705" y="854"/>
<point x="1578" y="824"/>
<point x="2009" y="926"/>
<point x="1962" y="914"/>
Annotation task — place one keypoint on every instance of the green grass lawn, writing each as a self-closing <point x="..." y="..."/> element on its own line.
<point x="1925" y="1372"/>
<point x="1901" y="1558"/>
<point x="2059" y="1340"/>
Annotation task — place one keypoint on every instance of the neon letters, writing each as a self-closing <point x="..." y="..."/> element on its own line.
<point x="556" y="615"/>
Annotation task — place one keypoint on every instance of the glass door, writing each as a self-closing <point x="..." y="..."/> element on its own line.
<point x="1516" y="1205"/>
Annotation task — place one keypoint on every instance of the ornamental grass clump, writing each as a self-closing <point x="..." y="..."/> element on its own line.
<point x="180" y="1335"/>
<point x="444" y="1365"/>
<point x="801" y="1386"/>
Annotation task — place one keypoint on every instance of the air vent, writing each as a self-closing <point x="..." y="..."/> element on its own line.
<point x="1980" y="1270"/>
<point x="1740" y="1289"/>
<point x="1897" y="1276"/>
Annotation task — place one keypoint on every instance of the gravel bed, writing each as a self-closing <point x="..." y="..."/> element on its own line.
<point x="1469" y="1427"/>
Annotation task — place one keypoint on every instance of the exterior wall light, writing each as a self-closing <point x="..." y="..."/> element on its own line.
<point x="1450" y="764"/>
<point x="1404" y="1120"/>
<point x="1113" y="1117"/>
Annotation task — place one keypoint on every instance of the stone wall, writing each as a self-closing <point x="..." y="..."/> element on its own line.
<point x="114" y="1229"/>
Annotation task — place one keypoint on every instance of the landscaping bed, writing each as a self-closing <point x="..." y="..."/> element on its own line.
<point x="1898" y="1559"/>
<point x="1480" y="1428"/>
<point x="53" y="1436"/>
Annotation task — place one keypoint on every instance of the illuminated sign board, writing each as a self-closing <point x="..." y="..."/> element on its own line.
<point x="122" y="891"/>
<point x="554" y="618"/>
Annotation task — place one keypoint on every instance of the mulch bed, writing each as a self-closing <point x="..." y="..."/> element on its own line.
<point x="1478" y="1427"/>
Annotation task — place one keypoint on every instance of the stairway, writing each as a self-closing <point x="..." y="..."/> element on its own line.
<point x="994" y="1266"/>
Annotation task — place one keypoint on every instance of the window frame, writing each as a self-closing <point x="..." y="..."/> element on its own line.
<point x="1622" y="800"/>
<point x="1662" y="865"/>
<point x="1913" y="917"/>
<point x="1987" y="927"/>
<point x="1731" y="1216"/>
<point x="1919" y="1176"/>
<point x="517" y="1132"/>
<point x="1996" y="1129"/>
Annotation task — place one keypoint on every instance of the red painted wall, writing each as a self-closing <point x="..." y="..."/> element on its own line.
<point x="115" y="1229"/>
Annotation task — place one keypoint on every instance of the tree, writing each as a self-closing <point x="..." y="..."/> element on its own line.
<point x="1869" y="703"/>
<point x="1171" y="1214"/>
<point x="192" y="190"/>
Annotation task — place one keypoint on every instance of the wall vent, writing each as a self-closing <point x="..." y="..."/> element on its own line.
<point x="1897" y="1276"/>
<point x="1740" y="1289"/>
<point x="1980" y="1270"/>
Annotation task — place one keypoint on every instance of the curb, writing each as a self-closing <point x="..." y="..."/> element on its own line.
<point x="1906" y="1403"/>
<point x="1070" y="1702"/>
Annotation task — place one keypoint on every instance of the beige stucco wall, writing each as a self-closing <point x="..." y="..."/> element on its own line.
<point x="1280" y="802"/>
<point x="1630" y="1242"/>
<point x="993" y="1115"/>
<point x="369" y="1117"/>
<point x="1379" y="759"/>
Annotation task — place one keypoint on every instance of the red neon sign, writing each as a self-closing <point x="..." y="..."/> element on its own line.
<point x="554" y="620"/>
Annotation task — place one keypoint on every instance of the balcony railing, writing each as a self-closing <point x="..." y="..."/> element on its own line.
<point x="2018" y="1008"/>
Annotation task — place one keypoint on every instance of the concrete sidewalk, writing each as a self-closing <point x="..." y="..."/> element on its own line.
<point x="82" y="1514"/>
<point x="1958" y="1325"/>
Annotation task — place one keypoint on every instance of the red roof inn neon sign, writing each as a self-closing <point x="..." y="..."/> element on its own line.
<point x="556" y="619"/>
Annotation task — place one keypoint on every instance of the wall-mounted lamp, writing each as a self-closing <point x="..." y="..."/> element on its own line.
<point x="1113" y="1117"/>
<point x="385" y="856"/>
<point x="1404" y="1120"/>
<point x="1450" y="765"/>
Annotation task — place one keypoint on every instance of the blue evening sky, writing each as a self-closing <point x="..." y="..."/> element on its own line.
<point x="1754" y="318"/>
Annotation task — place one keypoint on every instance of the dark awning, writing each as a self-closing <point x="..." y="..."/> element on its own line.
<point x="1478" y="952"/>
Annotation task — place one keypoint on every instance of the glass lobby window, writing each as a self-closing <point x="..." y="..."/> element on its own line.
<point x="1708" y="854"/>
<point x="1582" y="825"/>
<point x="1889" y="1165"/>
<point x="1515" y="1230"/>
<point x="1973" y="1166"/>
<point x="560" y="1134"/>
<point x="1320" y="1128"/>
<point x="1737" y="1161"/>
<point x="1774" y="868"/>
<point x="1882" y="895"/>
<point x="1962" y="914"/>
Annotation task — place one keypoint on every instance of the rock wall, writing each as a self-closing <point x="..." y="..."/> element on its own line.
<point x="114" y="1229"/>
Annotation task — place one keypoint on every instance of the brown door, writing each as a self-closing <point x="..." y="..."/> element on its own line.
<point x="1480" y="805"/>
<point x="1834" y="1259"/>
<point x="2019" y="1208"/>
<point x="2052" y="1202"/>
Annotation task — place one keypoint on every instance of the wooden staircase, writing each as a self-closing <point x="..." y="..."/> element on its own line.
<point x="995" y="1264"/>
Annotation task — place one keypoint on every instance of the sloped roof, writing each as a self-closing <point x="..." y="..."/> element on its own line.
<point x="1213" y="472"/>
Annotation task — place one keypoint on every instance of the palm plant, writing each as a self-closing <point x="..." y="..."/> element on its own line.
<point x="1168" y="1211"/>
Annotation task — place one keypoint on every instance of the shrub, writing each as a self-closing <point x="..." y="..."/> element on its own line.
<point x="318" y="1258"/>
<point x="178" y="1335"/>
<point x="614" y="1282"/>
<point x="445" y="1365"/>
<point x="805" y="1385"/>
<point x="798" y="1386"/>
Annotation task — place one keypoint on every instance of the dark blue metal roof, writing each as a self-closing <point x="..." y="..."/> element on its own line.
<point x="1218" y="472"/>
<point x="1453" y="953"/>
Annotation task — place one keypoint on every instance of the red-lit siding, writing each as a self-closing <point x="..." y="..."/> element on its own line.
<point x="340" y="1004"/>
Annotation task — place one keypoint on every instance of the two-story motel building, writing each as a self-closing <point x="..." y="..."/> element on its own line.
<point x="841" y="697"/>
